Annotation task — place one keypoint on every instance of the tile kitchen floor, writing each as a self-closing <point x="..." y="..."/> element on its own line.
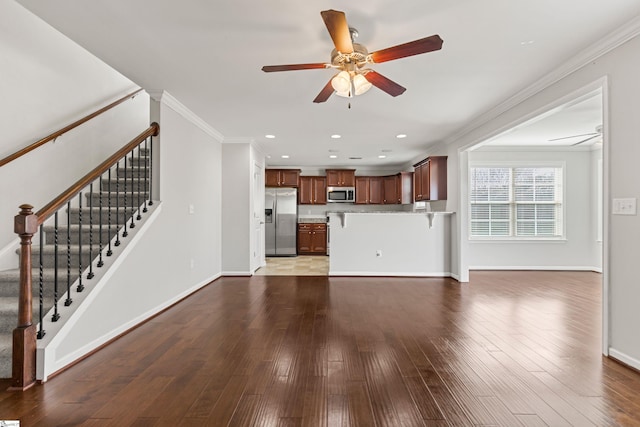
<point x="304" y="265"/>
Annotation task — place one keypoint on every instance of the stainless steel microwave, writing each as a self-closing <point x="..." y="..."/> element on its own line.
<point x="341" y="194"/>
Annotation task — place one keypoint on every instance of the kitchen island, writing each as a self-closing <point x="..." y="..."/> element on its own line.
<point x="390" y="244"/>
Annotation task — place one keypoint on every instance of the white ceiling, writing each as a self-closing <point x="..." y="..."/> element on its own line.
<point x="208" y="55"/>
<point x="577" y="123"/>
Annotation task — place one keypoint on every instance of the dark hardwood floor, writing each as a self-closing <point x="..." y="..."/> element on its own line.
<point x="509" y="349"/>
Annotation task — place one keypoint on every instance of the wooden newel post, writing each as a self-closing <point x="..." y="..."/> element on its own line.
<point x="24" y="336"/>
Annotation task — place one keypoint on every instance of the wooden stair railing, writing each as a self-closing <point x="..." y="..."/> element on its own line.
<point x="65" y="129"/>
<point x="26" y="225"/>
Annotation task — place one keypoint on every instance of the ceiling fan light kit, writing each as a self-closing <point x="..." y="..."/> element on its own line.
<point x="351" y="58"/>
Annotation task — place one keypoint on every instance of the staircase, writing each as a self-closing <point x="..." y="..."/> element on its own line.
<point x="80" y="235"/>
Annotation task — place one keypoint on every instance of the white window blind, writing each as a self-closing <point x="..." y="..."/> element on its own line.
<point x="518" y="202"/>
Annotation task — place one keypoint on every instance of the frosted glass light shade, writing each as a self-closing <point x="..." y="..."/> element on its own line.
<point x="341" y="83"/>
<point x="361" y="84"/>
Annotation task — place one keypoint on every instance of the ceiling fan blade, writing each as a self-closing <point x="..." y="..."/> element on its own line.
<point x="585" y="140"/>
<point x="336" y="23"/>
<point x="591" y="134"/>
<point x="416" y="47"/>
<point x="293" y="67"/>
<point x="324" y="94"/>
<point x="383" y="83"/>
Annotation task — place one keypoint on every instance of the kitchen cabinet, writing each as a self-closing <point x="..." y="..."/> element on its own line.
<point x="341" y="177"/>
<point x="378" y="190"/>
<point x="430" y="179"/>
<point x="368" y="190"/>
<point x="281" y="177"/>
<point x="313" y="190"/>
<point x="391" y="190"/>
<point x="404" y="189"/>
<point x="312" y="239"/>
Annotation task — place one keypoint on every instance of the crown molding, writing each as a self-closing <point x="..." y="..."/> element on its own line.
<point x="167" y="99"/>
<point x="613" y="40"/>
<point x="238" y="140"/>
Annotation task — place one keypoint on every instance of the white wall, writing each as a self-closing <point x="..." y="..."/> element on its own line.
<point x="576" y="251"/>
<point x="47" y="81"/>
<point x="179" y="252"/>
<point x="621" y="68"/>
<point x="237" y="176"/>
<point x="257" y="207"/>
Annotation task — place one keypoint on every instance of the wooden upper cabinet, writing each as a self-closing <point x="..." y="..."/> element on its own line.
<point x="391" y="190"/>
<point x="369" y="190"/>
<point x="438" y="178"/>
<point x="341" y="177"/>
<point x="281" y="177"/>
<point x="305" y="191"/>
<point x="362" y="190"/>
<point x="379" y="190"/>
<point x="313" y="190"/>
<point x="405" y="187"/>
<point x="430" y="179"/>
<point x="320" y="190"/>
<point x="425" y="180"/>
<point x="376" y="190"/>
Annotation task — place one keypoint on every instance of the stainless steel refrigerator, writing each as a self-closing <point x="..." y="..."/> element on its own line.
<point x="281" y="220"/>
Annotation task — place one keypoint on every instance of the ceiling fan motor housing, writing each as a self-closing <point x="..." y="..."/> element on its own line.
<point x="357" y="57"/>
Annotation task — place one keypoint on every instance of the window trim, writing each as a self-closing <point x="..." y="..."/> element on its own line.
<point x="559" y="164"/>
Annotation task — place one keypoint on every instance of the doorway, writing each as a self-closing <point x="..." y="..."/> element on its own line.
<point x="571" y="135"/>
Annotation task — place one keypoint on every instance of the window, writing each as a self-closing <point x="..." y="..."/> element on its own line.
<point x="516" y="201"/>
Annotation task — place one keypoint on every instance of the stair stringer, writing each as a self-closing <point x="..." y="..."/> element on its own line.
<point x="47" y="362"/>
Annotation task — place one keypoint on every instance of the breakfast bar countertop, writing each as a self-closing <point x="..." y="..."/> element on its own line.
<point x="312" y="220"/>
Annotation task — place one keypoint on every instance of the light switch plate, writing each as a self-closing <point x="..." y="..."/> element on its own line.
<point x="624" y="206"/>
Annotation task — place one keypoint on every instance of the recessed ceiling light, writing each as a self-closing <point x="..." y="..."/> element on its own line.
<point x="333" y="156"/>
<point x="401" y="135"/>
<point x="269" y="136"/>
<point x="284" y="156"/>
<point x="382" y="156"/>
<point x="336" y="136"/>
<point x="527" y="42"/>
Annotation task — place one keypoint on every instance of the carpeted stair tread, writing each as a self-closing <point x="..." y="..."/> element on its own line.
<point x="101" y="205"/>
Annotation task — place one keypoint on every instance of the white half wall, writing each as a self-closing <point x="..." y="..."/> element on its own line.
<point x="390" y="244"/>
<point x="181" y="250"/>
<point x="48" y="82"/>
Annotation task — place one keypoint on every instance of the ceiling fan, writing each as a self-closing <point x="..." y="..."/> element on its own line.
<point x="585" y="137"/>
<point x="351" y="59"/>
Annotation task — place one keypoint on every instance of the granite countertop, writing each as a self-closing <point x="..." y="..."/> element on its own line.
<point x="312" y="220"/>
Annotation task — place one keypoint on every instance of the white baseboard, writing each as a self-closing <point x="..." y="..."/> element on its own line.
<point x="536" y="267"/>
<point x="624" y="358"/>
<point x="237" y="273"/>
<point x="389" y="274"/>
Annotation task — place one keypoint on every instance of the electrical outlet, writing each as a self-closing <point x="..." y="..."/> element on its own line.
<point x="192" y="263"/>
<point x="624" y="206"/>
<point x="379" y="253"/>
<point x="192" y="209"/>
